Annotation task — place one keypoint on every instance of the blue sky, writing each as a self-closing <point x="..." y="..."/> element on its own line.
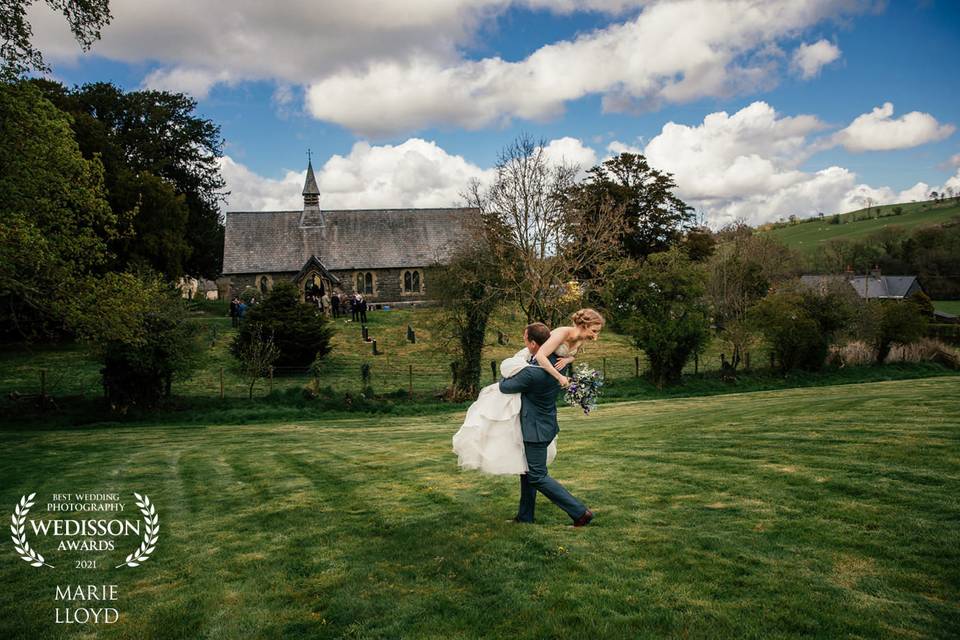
<point x="826" y="103"/>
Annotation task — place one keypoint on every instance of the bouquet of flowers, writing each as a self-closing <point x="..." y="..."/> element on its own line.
<point x="584" y="388"/>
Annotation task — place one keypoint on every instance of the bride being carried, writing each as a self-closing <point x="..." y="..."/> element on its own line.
<point x="491" y="439"/>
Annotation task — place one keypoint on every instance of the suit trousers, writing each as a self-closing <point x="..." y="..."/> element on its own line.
<point x="537" y="479"/>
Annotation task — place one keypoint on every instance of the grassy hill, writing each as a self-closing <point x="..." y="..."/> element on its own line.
<point x="806" y="235"/>
<point x="828" y="512"/>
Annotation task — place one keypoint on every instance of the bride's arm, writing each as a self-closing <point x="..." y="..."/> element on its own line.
<point x="557" y="336"/>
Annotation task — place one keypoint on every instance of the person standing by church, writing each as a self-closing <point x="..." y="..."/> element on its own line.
<point x="354" y="308"/>
<point x="325" y="305"/>
<point x="363" y="309"/>
<point x="335" y="304"/>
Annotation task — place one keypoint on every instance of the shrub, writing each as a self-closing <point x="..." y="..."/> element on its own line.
<point x="900" y="322"/>
<point x="140" y="331"/>
<point x="140" y="374"/>
<point x="799" y="325"/>
<point x="661" y="306"/>
<point x="299" y="331"/>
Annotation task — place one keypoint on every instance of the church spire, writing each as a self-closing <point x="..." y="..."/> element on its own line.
<point x="311" y="192"/>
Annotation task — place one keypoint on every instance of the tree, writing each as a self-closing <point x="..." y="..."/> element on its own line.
<point x="660" y="305"/>
<point x="301" y="333"/>
<point x="800" y="324"/>
<point x="156" y="133"/>
<point x="550" y="232"/>
<point x="899" y="322"/>
<point x="85" y="17"/>
<point x="55" y="222"/>
<point x="256" y="356"/>
<point x="655" y="218"/>
<point x="139" y="329"/>
<point x="739" y="274"/>
<point x="469" y="286"/>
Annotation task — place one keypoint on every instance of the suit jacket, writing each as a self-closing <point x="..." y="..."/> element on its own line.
<point x="538" y="402"/>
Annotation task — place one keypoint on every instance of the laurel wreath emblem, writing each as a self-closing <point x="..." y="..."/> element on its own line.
<point x="150" y="533"/>
<point x="18" y="534"/>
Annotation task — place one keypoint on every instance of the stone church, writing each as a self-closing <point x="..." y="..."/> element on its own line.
<point x="385" y="254"/>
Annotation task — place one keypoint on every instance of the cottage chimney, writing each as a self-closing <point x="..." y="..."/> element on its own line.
<point x="312" y="216"/>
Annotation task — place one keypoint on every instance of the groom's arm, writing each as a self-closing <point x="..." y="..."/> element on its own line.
<point x="518" y="383"/>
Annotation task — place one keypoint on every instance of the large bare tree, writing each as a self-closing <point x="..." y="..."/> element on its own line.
<point x="553" y="235"/>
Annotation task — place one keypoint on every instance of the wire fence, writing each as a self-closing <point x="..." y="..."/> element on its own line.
<point x="398" y="374"/>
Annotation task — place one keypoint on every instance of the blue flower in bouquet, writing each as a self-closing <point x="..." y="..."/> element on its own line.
<point x="584" y="388"/>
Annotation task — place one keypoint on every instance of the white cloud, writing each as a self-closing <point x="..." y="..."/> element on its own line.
<point x="196" y="82"/>
<point x="416" y="173"/>
<point x="808" y="59"/>
<point x="728" y="157"/>
<point x="953" y="182"/>
<point x="571" y="152"/>
<point x="746" y="165"/>
<point x="385" y="67"/>
<point x="674" y="51"/>
<point x="879" y="131"/>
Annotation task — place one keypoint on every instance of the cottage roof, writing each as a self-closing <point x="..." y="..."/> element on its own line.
<point x="867" y="286"/>
<point x="276" y="241"/>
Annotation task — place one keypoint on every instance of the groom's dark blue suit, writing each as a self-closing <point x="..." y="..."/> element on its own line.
<point x="538" y="423"/>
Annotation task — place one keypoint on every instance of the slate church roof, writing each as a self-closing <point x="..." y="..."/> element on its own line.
<point x="282" y="241"/>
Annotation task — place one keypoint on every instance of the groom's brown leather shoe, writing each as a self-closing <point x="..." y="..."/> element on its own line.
<point x="584" y="520"/>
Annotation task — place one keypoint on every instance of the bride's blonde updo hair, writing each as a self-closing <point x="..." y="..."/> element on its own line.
<point x="587" y="318"/>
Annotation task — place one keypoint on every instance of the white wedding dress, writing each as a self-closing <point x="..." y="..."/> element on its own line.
<point x="490" y="439"/>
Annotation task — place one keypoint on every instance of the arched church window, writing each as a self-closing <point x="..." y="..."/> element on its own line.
<point x="407" y="281"/>
<point x="368" y="282"/>
<point x="360" y="282"/>
<point x="264" y="283"/>
<point x="416" y="281"/>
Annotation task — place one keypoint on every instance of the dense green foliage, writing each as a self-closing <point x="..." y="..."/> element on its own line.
<point x="55" y="221"/>
<point x="799" y="324"/>
<point x="299" y="330"/>
<point x="656" y="218"/>
<point x="139" y="330"/>
<point x="661" y="305"/>
<point x="162" y="173"/>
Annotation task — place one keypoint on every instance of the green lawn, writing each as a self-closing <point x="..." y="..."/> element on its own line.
<point x="948" y="306"/>
<point x="830" y="512"/>
<point x="807" y="236"/>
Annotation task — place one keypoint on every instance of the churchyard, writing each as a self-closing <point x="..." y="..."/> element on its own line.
<point x="827" y="513"/>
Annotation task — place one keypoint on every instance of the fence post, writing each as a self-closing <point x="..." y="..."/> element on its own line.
<point x="365" y="333"/>
<point x="696" y="363"/>
<point x="271" y="379"/>
<point x="493" y="369"/>
<point x="747" y="362"/>
<point x="43" y="388"/>
<point x="410" y="379"/>
<point x="221" y="383"/>
<point x="375" y="352"/>
<point x="636" y="366"/>
<point x="604" y="368"/>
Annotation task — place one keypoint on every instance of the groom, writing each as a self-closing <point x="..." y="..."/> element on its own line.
<point x="538" y="423"/>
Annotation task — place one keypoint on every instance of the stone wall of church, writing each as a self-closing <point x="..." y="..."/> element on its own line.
<point x="382" y="286"/>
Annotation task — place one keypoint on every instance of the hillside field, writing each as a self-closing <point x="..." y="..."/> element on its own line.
<point x="808" y="513"/>
<point x="807" y="236"/>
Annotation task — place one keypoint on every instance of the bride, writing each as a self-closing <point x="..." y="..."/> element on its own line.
<point x="490" y="438"/>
